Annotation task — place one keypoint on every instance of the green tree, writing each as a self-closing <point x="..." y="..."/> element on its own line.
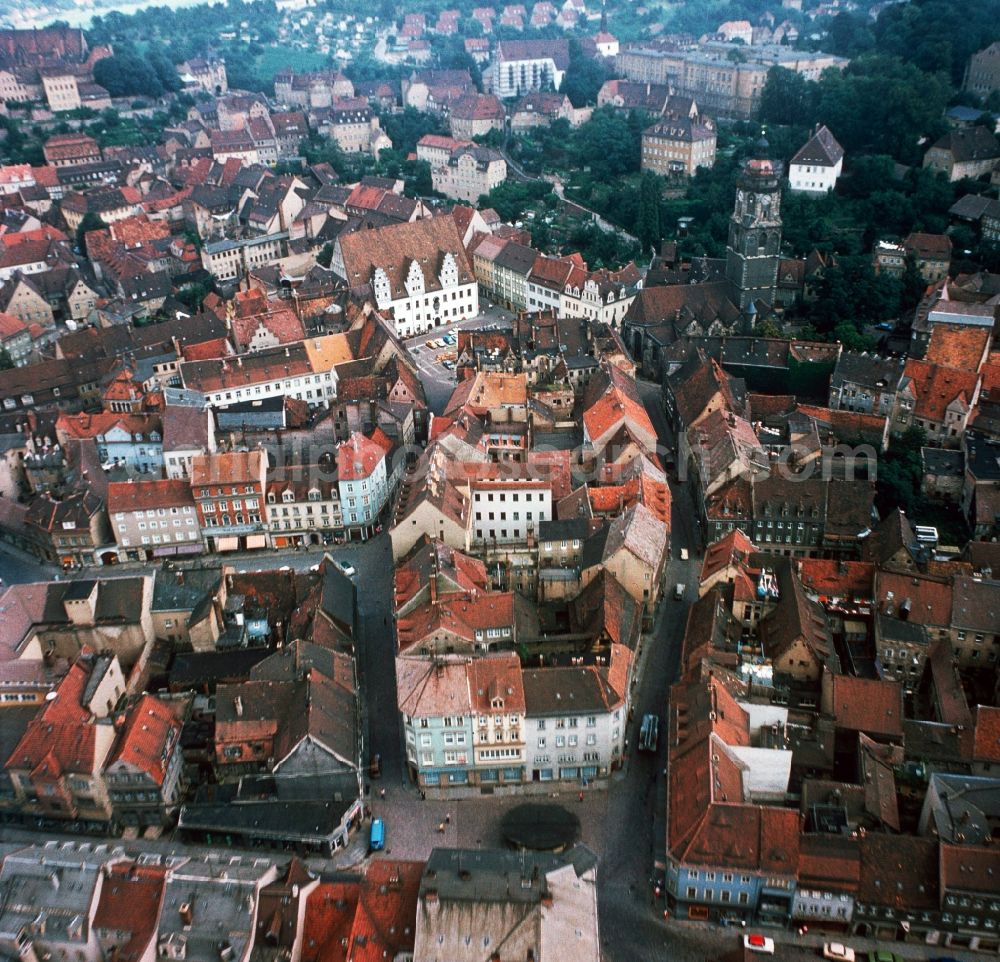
<point x="584" y="76"/>
<point x="89" y="222"/>
<point x="126" y="74"/>
<point x="787" y="98"/>
<point x="647" y="227"/>
<point x="900" y="473"/>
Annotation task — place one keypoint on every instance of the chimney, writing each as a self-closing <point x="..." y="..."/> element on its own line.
<point x="185" y="913"/>
<point x="547" y="900"/>
<point x="238" y="705"/>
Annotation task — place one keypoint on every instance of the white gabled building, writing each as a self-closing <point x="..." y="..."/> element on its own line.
<point x="816" y="167"/>
<point x="419" y="273"/>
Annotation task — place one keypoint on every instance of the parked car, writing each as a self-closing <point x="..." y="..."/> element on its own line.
<point x="376" y="840"/>
<point x="347" y="568"/>
<point x="375" y="771"/>
<point x="883" y="956"/>
<point x="684" y="554"/>
<point x="679" y="591"/>
<point x="838" y="952"/>
<point x="755" y="942"/>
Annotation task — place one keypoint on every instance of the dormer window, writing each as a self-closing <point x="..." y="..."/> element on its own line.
<point x="287" y="496"/>
<point x="314" y="494"/>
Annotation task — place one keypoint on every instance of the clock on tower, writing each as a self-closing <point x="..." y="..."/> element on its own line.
<point x="754" y="247"/>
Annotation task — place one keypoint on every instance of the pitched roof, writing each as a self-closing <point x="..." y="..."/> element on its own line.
<point x="867" y="705"/>
<point x="141" y="495"/>
<point x="394" y="248"/>
<point x="936" y="387"/>
<point x="639" y="532"/>
<point x="150" y="734"/>
<point x="228" y="467"/>
<point x="969" y="143"/>
<point x="821" y="150"/>
<point x="358" y="457"/>
<point x="62" y="736"/>
<point x="513" y="50"/>
<point x="986" y="743"/>
<point x="958" y="348"/>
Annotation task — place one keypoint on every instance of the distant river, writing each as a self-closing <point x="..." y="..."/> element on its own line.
<point x="81" y="16"/>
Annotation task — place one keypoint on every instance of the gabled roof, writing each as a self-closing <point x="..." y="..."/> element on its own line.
<point x="62" y="737"/>
<point x="151" y="733"/>
<point x="395" y="247"/>
<point x="514" y="50"/>
<point x="868" y="705"/>
<point x="821" y="150"/>
<point x="969" y="143"/>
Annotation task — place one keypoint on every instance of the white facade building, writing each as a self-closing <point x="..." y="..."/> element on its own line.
<point x="419" y="272"/>
<point x="507" y="511"/>
<point x="816" y="167"/>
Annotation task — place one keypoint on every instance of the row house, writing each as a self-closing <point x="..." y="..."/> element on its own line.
<point x="365" y="481"/>
<point x="78" y="760"/>
<point x="229" y="490"/>
<point x="133" y="442"/>
<point x="503" y="512"/>
<point x="938" y="399"/>
<point x="867" y="383"/>
<point x="576" y="720"/>
<point x="980" y="499"/>
<point x="72" y="531"/>
<point x="144" y="774"/>
<point x="303" y="510"/>
<point x="463" y="721"/>
<point x="153" y="519"/>
<point x="305" y="370"/>
<point x="230" y="260"/>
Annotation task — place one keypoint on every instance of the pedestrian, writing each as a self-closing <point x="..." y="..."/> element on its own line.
<point x="447" y="818"/>
<point x="581" y="796"/>
<point x="423" y="795"/>
<point x="441" y="828"/>
<point x="381" y="793"/>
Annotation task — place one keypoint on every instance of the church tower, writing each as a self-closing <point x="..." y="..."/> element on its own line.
<point x="754" y="247"/>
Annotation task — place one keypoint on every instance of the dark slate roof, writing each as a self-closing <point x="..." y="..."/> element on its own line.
<point x="821" y="150"/>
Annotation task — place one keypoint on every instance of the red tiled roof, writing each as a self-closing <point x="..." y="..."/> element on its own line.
<point x="936" y="387"/>
<point x="867" y="705"/>
<point x="986" y="744"/>
<point x="358" y="457"/>
<point x="385" y="922"/>
<point x="733" y="548"/>
<point x="461" y="615"/>
<point x="61" y="737"/>
<point x="151" y="732"/>
<point x="329" y="916"/>
<point x="927" y="601"/>
<point x="130" y="902"/>
<point x="854" y="580"/>
<point x="83" y="426"/>
<point x="142" y="495"/>
<point x="960" y="348"/>
<point x="10" y="325"/>
<point x="207" y="350"/>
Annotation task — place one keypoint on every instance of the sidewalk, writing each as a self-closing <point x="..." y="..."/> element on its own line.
<point x="816" y="940"/>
